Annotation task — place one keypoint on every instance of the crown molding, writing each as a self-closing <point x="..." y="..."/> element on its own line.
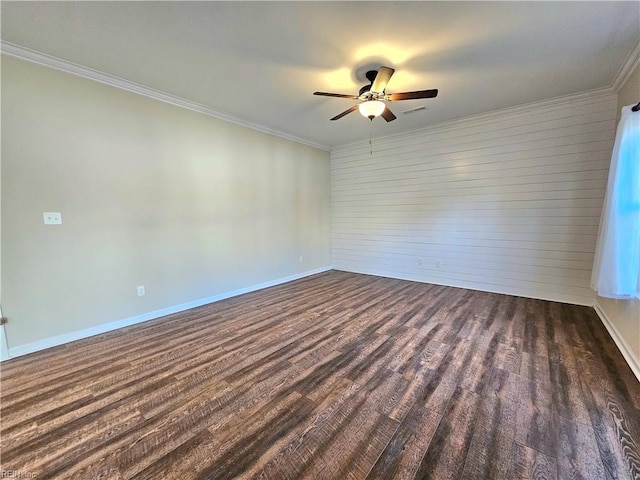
<point x="627" y="68"/>
<point x="501" y="114"/>
<point x="50" y="61"/>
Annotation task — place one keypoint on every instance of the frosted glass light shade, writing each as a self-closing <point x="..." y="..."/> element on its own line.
<point x="372" y="108"/>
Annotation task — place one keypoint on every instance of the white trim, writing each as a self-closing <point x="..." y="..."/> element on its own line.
<point x="501" y="114"/>
<point x="34" y="56"/>
<point x="622" y="345"/>
<point x="629" y="65"/>
<point x="569" y="299"/>
<point x="125" y="322"/>
<point x="4" y="349"/>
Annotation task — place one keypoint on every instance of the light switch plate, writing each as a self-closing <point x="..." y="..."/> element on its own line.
<point x="52" y="218"/>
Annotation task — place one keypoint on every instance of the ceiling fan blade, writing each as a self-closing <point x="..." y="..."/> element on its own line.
<point x="382" y="78"/>
<point x="388" y="115"/>
<point x="394" y="97"/>
<point x="339" y="95"/>
<point x="346" y="112"/>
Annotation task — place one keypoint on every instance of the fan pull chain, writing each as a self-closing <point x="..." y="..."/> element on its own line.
<point x="370" y="136"/>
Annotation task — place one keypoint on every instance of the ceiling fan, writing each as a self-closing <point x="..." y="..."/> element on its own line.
<point x="373" y="96"/>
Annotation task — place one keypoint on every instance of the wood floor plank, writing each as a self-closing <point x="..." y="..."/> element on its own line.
<point x="154" y="437"/>
<point x="577" y="454"/>
<point x="491" y="449"/>
<point x="569" y="400"/>
<point x="448" y="449"/>
<point x="530" y="464"/>
<point x="334" y="376"/>
<point x="536" y="427"/>
<point x="403" y="454"/>
<point x="278" y="460"/>
<point x="353" y="420"/>
<point x="619" y="447"/>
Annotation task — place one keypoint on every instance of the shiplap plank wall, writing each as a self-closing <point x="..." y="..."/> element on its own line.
<point x="508" y="202"/>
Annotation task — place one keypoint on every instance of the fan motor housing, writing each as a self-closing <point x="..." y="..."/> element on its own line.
<point x="365" y="89"/>
<point x="371" y="76"/>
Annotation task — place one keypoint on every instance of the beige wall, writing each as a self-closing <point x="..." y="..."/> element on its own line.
<point x="625" y="314"/>
<point x="151" y="194"/>
<point x="625" y="317"/>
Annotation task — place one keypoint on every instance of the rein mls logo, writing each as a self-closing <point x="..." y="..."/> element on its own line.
<point x="17" y="474"/>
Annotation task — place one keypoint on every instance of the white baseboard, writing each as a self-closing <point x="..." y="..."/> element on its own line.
<point x="4" y="349"/>
<point x="570" y="299"/>
<point x="626" y="351"/>
<point x="125" y="322"/>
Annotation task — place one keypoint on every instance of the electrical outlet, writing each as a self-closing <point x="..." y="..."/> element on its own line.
<point x="141" y="290"/>
<point x="52" y="218"/>
<point x="420" y="262"/>
<point x="438" y="263"/>
<point x="301" y="259"/>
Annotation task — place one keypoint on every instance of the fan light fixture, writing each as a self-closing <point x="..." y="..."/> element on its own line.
<point x="372" y="108"/>
<point x="370" y="95"/>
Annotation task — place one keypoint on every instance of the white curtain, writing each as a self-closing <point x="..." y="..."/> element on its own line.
<point x="616" y="266"/>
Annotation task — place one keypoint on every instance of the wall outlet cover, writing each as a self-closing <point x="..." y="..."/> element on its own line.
<point x="52" y="218"/>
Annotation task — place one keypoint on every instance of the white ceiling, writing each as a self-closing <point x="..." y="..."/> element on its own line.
<point x="261" y="61"/>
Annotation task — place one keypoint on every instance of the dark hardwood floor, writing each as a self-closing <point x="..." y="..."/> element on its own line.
<point x="335" y="376"/>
